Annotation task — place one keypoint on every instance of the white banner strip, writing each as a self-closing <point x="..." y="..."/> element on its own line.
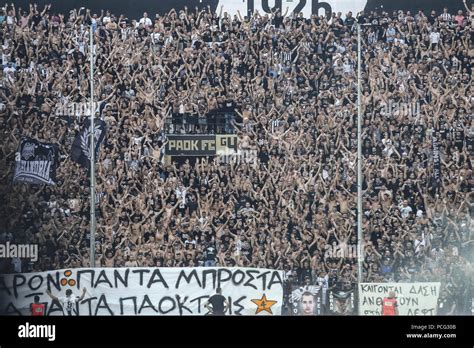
<point x="412" y="298"/>
<point x="143" y="291"/>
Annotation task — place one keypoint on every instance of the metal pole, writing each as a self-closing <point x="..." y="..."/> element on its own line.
<point x="92" y="152"/>
<point x="360" y="256"/>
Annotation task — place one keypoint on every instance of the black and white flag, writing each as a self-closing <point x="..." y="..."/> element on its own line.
<point x="35" y="162"/>
<point x="81" y="148"/>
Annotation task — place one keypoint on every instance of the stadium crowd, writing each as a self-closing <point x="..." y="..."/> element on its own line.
<point x="293" y="83"/>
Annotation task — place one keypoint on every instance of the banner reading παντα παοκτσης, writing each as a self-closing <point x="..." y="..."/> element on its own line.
<point x="143" y="291"/>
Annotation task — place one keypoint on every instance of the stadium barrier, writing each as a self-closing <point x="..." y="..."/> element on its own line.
<point x="143" y="291"/>
<point x="184" y="291"/>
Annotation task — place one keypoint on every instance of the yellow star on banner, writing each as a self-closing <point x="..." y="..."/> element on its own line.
<point x="264" y="304"/>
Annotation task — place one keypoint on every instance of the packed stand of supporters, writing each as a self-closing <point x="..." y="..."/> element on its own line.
<point x="293" y="84"/>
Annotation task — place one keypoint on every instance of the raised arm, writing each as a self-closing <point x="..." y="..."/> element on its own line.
<point x="54" y="298"/>
<point x="83" y="294"/>
<point x="467" y="8"/>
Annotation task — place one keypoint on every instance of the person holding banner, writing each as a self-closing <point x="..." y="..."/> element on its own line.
<point x="69" y="301"/>
<point x="217" y="304"/>
<point x="37" y="308"/>
<point x="390" y="305"/>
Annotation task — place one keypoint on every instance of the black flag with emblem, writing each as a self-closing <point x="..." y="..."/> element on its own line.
<point x="81" y="147"/>
<point x="35" y="162"/>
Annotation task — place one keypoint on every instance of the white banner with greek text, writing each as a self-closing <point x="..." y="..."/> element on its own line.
<point x="412" y="298"/>
<point x="143" y="291"/>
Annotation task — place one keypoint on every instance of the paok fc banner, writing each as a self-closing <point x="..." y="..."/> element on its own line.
<point x="81" y="148"/>
<point x="143" y="291"/>
<point x="36" y="162"/>
<point x="201" y="145"/>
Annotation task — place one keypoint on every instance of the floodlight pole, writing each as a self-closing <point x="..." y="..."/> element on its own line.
<point x="92" y="153"/>
<point x="360" y="240"/>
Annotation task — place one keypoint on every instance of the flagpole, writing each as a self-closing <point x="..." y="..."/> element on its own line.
<point x="92" y="152"/>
